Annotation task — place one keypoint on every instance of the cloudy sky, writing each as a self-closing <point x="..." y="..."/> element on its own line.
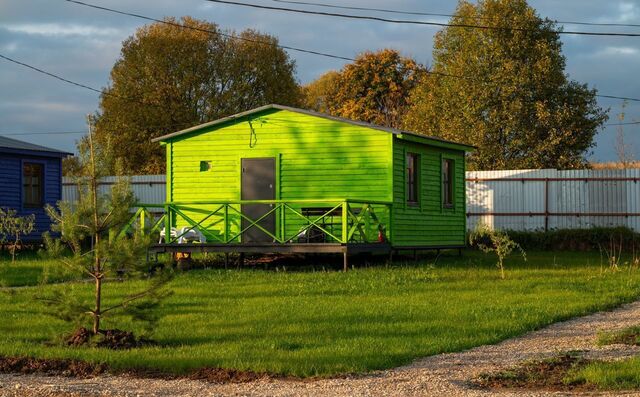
<point x="81" y="44"/>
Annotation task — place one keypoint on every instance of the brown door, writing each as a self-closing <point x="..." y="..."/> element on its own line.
<point x="258" y="183"/>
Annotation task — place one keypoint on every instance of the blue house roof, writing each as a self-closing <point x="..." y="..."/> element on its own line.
<point x="10" y="145"/>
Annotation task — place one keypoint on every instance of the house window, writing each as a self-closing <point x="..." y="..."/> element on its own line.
<point x="205" y="166"/>
<point x="412" y="178"/>
<point x="32" y="185"/>
<point x="447" y="183"/>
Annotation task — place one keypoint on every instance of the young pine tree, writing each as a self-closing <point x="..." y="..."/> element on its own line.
<point x="89" y="229"/>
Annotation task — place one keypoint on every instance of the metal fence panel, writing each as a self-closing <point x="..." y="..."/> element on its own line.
<point x="552" y="199"/>
<point x="508" y="199"/>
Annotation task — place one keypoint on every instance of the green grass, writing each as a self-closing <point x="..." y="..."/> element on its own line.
<point x="627" y="336"/>
<point x="30" y="269"/>
<point x="327" y="323"/>
<point x="616" y="375"/>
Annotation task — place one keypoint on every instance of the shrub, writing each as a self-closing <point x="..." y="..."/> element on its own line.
<point x="490" y="240"/>
<point x="593" y="239"/>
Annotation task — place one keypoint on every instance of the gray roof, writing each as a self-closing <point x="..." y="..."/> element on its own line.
<point x="14" y="144"/>
<point x="307" y="112"/>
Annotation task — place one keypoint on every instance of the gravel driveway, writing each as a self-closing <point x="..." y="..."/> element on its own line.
<point x="441" y="375"/>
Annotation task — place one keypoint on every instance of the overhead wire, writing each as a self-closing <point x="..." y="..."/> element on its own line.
<point x="414" y="22"/>
<point x="286" y="47"/>
<point x="82" y="3"/>
<point x="433" y="14"/>
<point x="65" y="80"/>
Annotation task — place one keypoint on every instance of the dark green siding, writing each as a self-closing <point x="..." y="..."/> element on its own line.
<point x="428" y="224"/>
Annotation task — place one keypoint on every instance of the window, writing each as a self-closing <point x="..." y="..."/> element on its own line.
<point x="447" y="183"/>
<point x="205" y="166"/>
<point x="412" y="178"/>
<point x="32" y="185"/>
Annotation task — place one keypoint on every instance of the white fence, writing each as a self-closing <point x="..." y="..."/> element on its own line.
<point x="149" y="189"/>
<point x="552" y="199"/>
<point x="516" y="200"/>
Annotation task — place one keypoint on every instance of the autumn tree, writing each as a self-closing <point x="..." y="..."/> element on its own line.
<point x="169" y="78"/>
<point x="507" y="91"/>
<point x="374" y="88"/>
<point x="315" y="94"/>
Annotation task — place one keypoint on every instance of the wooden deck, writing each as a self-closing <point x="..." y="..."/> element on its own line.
<point x="276" y="248"/>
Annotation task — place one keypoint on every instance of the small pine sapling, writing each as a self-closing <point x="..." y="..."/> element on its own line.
<point x="89" y="243"/>
<point x="490" y="240"/>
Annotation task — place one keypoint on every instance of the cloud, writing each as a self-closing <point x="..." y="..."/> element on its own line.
<point x="617" y="51"/>
<point x="55" y="29"/>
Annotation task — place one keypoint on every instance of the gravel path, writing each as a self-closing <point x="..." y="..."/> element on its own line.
<point x="441" y="375"/>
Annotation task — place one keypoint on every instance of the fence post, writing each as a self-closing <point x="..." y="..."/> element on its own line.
<point x="345" y="229"/>
<point x="167" y="224"/>
<point x="226" y="223"/>
<point x="546" y="204"/>
<point x="143" y="225"/>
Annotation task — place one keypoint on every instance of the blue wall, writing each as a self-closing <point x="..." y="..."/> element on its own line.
<point x="11" y="187"/>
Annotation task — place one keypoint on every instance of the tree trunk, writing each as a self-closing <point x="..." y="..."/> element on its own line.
<point x="96" y="312"/>
<point x="97" y="270"/>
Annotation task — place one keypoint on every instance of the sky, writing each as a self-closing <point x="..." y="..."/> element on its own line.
<point x="82" y="44"/>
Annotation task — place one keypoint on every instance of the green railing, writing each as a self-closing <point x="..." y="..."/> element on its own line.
<point x="318" y="221"/>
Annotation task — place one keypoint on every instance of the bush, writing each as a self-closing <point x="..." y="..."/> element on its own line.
<point x="594" y="239"/>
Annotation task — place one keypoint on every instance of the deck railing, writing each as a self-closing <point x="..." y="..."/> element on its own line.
<point x="340" y="221"/>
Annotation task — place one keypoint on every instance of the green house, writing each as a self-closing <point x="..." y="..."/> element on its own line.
<point x="283" y="179"/>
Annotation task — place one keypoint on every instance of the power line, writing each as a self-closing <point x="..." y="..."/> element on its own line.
<point x="619" y="97"/>
<point x="42" y="71"/>
<point x="208" y="31"/>
<point x="43" y="133"/>
<point x="621" y="124"/>
<point x="325" y="54"/>
<point x="432" y="14"/>
<point x="55" y="76"/>
<point x="412" y="22"/>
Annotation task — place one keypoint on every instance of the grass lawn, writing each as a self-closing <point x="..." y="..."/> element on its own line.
<point x="327" y="323"/>
<point x="617" y="375"/>
<point x="30" y="269"/>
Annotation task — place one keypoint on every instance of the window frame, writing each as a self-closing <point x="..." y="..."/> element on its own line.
<point x="41" y="187"/>
<point x="412" y="200"/>
<point x="450" y="189"/>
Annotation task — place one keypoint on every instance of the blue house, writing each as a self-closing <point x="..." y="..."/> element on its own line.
<point x="30" y="178"/>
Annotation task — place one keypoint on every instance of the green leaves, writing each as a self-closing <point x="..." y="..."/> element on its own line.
<point x="374" y="88"/>
<point x="170" y="78"/>
<point x="511" y="97"/>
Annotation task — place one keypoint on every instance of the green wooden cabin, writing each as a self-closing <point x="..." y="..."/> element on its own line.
<point x="284" y="177"/>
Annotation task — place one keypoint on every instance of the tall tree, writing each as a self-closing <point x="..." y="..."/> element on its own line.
<point x="374" y="88"/>
<point x="510" y="95"/>
<point x="316" y="94"/>
<point x="169" y="78"/>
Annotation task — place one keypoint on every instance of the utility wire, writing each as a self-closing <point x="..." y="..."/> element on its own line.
<point x="208" y="31"/>
<point x="619" y="97"/>
<point x="325" y="54"/>
<point x="43" y="133"/>
<point x="432" y="14"/>
<point x="621" y="124"/>
<point x="55" y="76"/>
<point x="412" y="22"/>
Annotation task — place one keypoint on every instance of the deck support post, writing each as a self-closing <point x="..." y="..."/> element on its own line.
<point x="345" y="264"/>
<point x="391" y="256"/>
<point x="241" y="260"/>
<point x="226" y="260"/>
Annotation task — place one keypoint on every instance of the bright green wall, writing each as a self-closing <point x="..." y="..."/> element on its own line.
<point x="317" y="159"/>
<point x="428" y="224"/>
